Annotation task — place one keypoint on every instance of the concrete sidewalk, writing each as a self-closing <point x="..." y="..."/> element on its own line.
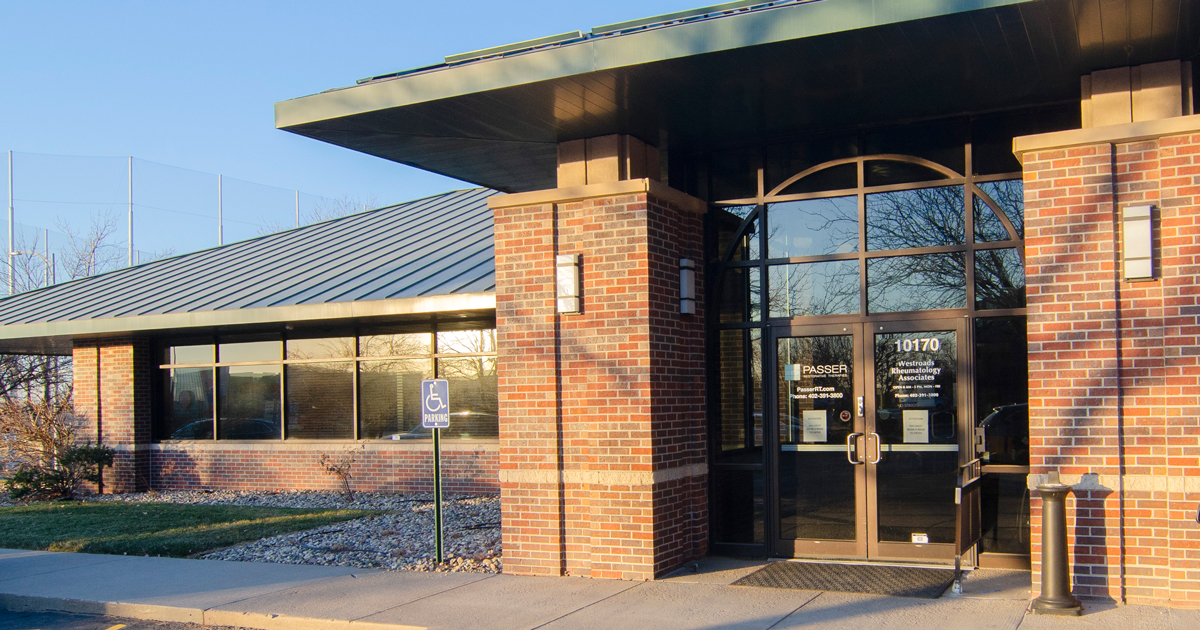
<point x="278" y="596"/>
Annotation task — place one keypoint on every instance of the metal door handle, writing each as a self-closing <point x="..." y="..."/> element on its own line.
<point x="852" y="446"/>
<point x="878" y="448"/>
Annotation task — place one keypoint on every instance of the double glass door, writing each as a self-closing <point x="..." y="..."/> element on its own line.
<point x="869" y="430"/>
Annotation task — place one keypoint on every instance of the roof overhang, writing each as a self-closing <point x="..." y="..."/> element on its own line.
<point x="57" y="337"/>
<point x="738" y="77"/>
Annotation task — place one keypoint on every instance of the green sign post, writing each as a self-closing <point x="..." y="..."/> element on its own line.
<point x="435" y="414"/>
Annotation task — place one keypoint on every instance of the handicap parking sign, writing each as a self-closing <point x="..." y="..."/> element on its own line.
<point x="435" y="404"/>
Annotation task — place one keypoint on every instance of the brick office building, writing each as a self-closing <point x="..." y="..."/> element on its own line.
<point x="763" y="278"/>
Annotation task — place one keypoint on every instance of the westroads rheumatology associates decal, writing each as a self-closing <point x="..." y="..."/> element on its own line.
<point x="915" y="387"/>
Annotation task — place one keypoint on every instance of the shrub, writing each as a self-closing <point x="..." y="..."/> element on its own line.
<point x="73" y="466"/>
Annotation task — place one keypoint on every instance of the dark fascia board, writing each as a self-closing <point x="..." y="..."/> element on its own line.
<point x="737" y="30"/>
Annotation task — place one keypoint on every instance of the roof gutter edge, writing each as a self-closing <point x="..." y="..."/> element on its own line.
<point x="266" y="315"/>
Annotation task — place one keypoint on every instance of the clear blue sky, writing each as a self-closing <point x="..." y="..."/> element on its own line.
<point x="192" y="84"/>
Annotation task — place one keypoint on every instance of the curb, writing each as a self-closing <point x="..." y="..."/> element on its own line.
<point x="180" y="614"/>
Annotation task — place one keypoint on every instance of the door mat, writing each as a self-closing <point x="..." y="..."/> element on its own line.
<point x="852" y="578"/>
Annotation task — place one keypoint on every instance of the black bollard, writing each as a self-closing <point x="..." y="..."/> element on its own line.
<point x="1056" y="598"/>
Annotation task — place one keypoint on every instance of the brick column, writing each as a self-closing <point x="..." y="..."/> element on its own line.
<point x="116" y="408"/>
<point x="602" y="431"/>
<point x="1114" y="370"/>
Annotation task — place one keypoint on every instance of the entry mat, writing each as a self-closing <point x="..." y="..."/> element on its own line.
<point x="852" y="578"/>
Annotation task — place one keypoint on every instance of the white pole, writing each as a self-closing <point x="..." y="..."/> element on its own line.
<point x="131" y="211"/>
<point x="220" y="212"/>
<point x="297" y="208"/>
<point x="11" y="279"/>
<point x="49" y="269"/>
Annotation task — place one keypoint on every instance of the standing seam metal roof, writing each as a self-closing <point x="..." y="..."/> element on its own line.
<point x="439" y="245"/>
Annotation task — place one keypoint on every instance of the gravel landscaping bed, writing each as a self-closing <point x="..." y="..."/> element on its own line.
<point x="400" y="540"/>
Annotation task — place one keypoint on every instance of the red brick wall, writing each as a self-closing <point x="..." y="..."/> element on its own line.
<point x="382" y="467"/>
<point x="122" y="418"/>
<point x="1114" y="377"/>
<point x="601" y="413"/>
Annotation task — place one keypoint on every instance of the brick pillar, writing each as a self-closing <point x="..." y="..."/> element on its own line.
<point x="602" y="430"/>
<point x="121" y="419"/>
<point x="1114" y="369"/>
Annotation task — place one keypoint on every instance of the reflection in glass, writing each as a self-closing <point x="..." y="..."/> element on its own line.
<point x="466" y="341"/>
<point x="1010" y="196"/>
<point x="389" y="403"/>
<point x="925" y="217"/>
<point x="320" y="401"/>
<point x="249" y="351"/>
<point x="916" y="283"/>
<point x="1004" y="499"/>
<point x="733" y="390"/>
<point x="738" y="506"/>
<point x="813" y="227"/>
<point x="1002" y="389"/>
<point x="756" y="387"/>
<point x="748" y="246"/>
<point x="999" y="279"/>
<point x="825" y="288"/>
<point x="916" y="416"/>
<point x="190" y="354"/>
<point x="248" y="402"/>
<point x="325" y="348"/>
<point x="474" y="401"/>
<point x="816" y="399"/>
<point x="728" y="219"/>
<point x="396" y="345"/>
<point x="188" y="409"/>
<point x="740" y="291"/>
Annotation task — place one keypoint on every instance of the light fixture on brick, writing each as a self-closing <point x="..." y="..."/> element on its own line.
<point x="687" y="286"/>
<point x="1137" y="242"/>
<point x="566" y="267"/>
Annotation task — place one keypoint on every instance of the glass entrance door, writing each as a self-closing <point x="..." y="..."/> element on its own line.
<point x="820" y="428"/>
<point x="914" y="437"/>
<point x="868" y="432"/>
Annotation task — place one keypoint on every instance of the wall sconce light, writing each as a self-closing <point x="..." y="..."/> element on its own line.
<point x="687" y="286"/>
<point x="566" y="267"/>
<point x="1137" y="246"/>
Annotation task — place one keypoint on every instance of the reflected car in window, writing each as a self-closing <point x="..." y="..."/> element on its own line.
<point x="464" y="425"/>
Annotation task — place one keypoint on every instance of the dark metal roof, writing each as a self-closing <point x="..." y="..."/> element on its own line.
<point x="440" y="245"/>
<point x="707" y="80"/>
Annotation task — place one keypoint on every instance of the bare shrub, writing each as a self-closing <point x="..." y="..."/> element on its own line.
<point x="341" y="465"/>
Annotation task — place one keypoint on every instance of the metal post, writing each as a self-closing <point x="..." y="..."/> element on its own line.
<point x="220" y="212"/>
<point x="1056" y="598"/>
<point x="437" y="492"/>
<point x="297" y="208"/>
<point x="12" y="284"/>
<point x="131" y="211"/>
<point x="47" y="258"/>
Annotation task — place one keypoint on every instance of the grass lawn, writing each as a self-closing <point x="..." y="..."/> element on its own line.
<point x="151" y="528"/>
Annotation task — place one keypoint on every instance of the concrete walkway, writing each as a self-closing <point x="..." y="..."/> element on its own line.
<point x="278" y="596"/>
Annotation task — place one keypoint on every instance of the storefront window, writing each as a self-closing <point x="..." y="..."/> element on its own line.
<point x="320" y="401"/>
<point x="248" y="402"/>
<point x="326" y="388"/>
<point x="390" y="398"/>
<point x="916" y="283"/>
<point x="813" y="227"/>
<point x="188" y="413"/>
